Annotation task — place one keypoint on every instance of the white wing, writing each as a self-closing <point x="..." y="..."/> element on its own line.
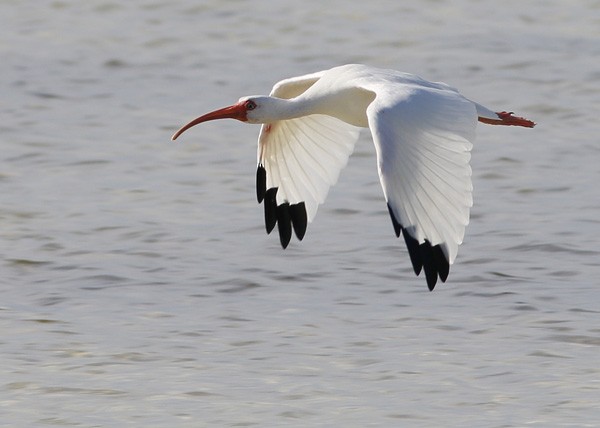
<point x="294" y="86"/>
<point x="298" y="161"/>
<point x="423" y="140"/>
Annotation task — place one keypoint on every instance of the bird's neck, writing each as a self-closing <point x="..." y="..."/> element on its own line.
<point x="285" y="109"/>
<point x="347" y="106"/>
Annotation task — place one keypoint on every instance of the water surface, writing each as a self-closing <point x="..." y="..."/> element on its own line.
<point x="138" y="285"/>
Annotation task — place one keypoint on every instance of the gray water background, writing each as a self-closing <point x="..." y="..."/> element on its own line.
<point x="138" y="288"/>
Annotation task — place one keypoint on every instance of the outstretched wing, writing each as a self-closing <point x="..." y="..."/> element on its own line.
<point x="423" y="140"/>
<point x="298" y="161"/>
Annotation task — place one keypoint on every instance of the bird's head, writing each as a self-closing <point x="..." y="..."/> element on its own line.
<point x="248" y="109"/>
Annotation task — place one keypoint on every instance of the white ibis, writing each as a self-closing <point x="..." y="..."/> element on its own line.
<point x="423" y="134"/>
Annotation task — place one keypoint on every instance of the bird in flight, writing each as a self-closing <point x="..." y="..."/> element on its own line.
<point x="423" y="134"/>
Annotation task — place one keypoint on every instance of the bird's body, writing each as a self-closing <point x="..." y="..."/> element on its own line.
<point x="423" y="134"/>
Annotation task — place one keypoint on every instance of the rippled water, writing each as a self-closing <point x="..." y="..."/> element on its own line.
<point x="138" y="285"/>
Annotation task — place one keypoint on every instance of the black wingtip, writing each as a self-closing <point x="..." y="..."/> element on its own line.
<point x="284" y="222"/>
<point x="397" y="227"/>
<point x="429" y="266"/>
<point x="426" y="257"/>
<point x="443" y="266"/>
<point x="414" y="252"/>
<point x="299" y="219"/>
<point x="435" y="263"/>
<point x="261" y="183"/>
<point x="270" y="202"/>
<point x="287" y="216"/>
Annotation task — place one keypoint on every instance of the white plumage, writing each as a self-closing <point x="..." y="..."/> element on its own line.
<point x="423" y="134"/>
<point x="303" y="157"/>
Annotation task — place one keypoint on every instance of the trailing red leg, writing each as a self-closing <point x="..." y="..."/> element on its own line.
<point x="507" y="118"/>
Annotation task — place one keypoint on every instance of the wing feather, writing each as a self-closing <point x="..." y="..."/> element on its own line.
<point x="294" y="86"/>
<point x="301" y="158"/>
<point x="423" y="138"/>
<point x="456" y="201"/>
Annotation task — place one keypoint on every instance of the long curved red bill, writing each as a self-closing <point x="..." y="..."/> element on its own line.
<point x="236" y="111"/>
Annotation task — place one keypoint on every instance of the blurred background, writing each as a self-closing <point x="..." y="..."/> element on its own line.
<point x="140" y="289"/>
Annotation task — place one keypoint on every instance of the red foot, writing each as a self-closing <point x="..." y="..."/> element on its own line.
<point x="507" y="118"/>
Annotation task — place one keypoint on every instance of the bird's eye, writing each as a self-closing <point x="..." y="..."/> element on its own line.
<point x="250" y="105"/>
